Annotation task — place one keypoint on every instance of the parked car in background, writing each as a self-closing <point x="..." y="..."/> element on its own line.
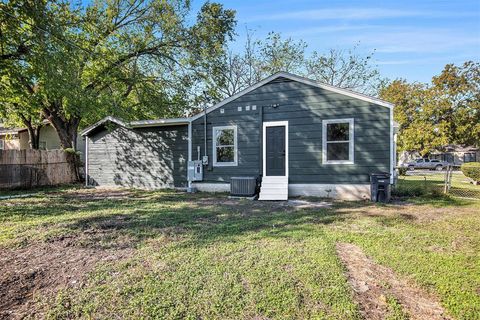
<point x="427" y="164"/>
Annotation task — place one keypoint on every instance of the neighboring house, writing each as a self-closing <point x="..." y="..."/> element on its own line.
<point x="18" y="138"/>
<point x="300" y="136"/>
<point x="454" y="154"/>
<point x="457" y="155"/>
<point x="9" y="138"/>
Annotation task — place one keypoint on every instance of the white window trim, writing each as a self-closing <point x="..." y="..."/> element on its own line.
<point x="264" y="147"/>
<point x="351" y="136"/>
<point x="235" y="146"/>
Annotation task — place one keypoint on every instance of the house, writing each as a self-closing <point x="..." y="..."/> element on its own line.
<point x="9" y="138"/>
<point x="456" y="155"/>
<point x="300" y="136"/>
<point x="18" y="139"/>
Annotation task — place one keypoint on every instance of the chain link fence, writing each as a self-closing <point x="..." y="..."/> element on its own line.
<point x="425" y="182"/>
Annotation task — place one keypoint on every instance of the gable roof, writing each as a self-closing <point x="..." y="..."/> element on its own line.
<point x="180" y="121"/>
<point x="136" y="124"/>
<point x="310" y="82"/>
<point x="97" y="124"/>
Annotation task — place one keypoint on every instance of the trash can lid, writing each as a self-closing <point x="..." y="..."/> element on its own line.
<point x="380" y="174"/>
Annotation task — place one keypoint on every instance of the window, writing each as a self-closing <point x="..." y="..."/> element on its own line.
<point x="42" y="145"/>
<point x="338" y="141"/>
<point x="225" y="146"/>
<point x="2" y="144"/>
<point x="469" y="157"/>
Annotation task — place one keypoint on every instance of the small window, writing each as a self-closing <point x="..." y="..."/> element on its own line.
<point x="42" y="145"/>
<point x="427" y="160"/>
<point x="469" y="157"/>
<point x="338" y="141"/>
<point x="225" y="146"/>
<point x="2" y="144"/>
<point x="419" y="160"/>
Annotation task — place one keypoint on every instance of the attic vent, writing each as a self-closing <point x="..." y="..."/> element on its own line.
<point x="281" y="80"/>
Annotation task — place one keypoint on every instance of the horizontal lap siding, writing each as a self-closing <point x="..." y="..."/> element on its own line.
<point x="141" y="158"/>
<point x="304" y="107"/>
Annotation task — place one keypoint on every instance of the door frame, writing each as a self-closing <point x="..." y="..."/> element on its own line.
<point x="274" y="124"/>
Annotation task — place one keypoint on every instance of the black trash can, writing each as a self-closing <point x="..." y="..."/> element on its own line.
<point x="380" y="187"/>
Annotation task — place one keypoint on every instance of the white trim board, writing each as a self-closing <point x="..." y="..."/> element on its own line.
<point x="235" y="147"/>
<point x="137" y="124"/>
<point x="119" y="122"/>
<point x="392" y="148"/>
<point x="264" y="144"/>
<point x="351" y="141"/>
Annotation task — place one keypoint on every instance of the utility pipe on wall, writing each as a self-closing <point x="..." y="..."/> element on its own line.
<point x="205" y="129"/>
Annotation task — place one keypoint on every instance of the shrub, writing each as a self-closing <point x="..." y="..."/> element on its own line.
<point x="471" y="170"/>
<point x="402" y="171"/>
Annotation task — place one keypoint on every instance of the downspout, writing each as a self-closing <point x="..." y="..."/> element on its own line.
<point x="86" y="161"/>
<point x="189" y="153"/>
<point x="260" y="129"/>
<point x="205" y="129"/>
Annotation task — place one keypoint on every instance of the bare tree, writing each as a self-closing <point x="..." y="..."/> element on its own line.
<point x="345" y="69"/>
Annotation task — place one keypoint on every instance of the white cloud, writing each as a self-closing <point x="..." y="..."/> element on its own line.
<point x="328" y="29"/>
<point x="352" y="14"/>
<point x="415" y="40"/>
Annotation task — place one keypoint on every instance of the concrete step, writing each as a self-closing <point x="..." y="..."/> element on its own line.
<point x="273" y="191"/>
<point x="273" y="197"/>
<point x="273" y="178"/>
<point x="274" y="188"/>
<point x="274" y="185"/>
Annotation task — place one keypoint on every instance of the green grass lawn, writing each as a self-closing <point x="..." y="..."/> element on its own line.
<point x="427" y="183"/>
<point x="204" y="257"/>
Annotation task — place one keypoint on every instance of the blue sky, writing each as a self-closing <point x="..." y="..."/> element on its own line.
<point x="412" y="39"/>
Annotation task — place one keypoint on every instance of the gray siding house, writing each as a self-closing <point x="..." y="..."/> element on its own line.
<point x="300" y="136"/>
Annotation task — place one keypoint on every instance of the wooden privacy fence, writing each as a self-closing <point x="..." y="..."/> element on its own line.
<point x="32" y="168"/>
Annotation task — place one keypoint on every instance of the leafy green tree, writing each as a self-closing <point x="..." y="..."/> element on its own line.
<point x="135" y="59"/>
<point x="445" y="112"/>
<point x="457" y="96"/>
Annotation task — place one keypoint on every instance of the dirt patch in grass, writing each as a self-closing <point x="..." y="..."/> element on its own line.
<point x="40" y="270"/>
<point x="374" y="285"/>
<point x="97" y="194"/>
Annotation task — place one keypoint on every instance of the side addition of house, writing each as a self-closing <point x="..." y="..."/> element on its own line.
<point x="299" y="136"/>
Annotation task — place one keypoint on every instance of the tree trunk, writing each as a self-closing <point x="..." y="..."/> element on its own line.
<point x="67" y="132"/>
<point x="33" y="132"/>
<point x="66" y="129"/>
<point x="34" y="137"/>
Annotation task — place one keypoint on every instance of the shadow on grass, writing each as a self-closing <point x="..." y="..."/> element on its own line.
<point x="204" y="223"/>
<point x="199" y="219"/>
